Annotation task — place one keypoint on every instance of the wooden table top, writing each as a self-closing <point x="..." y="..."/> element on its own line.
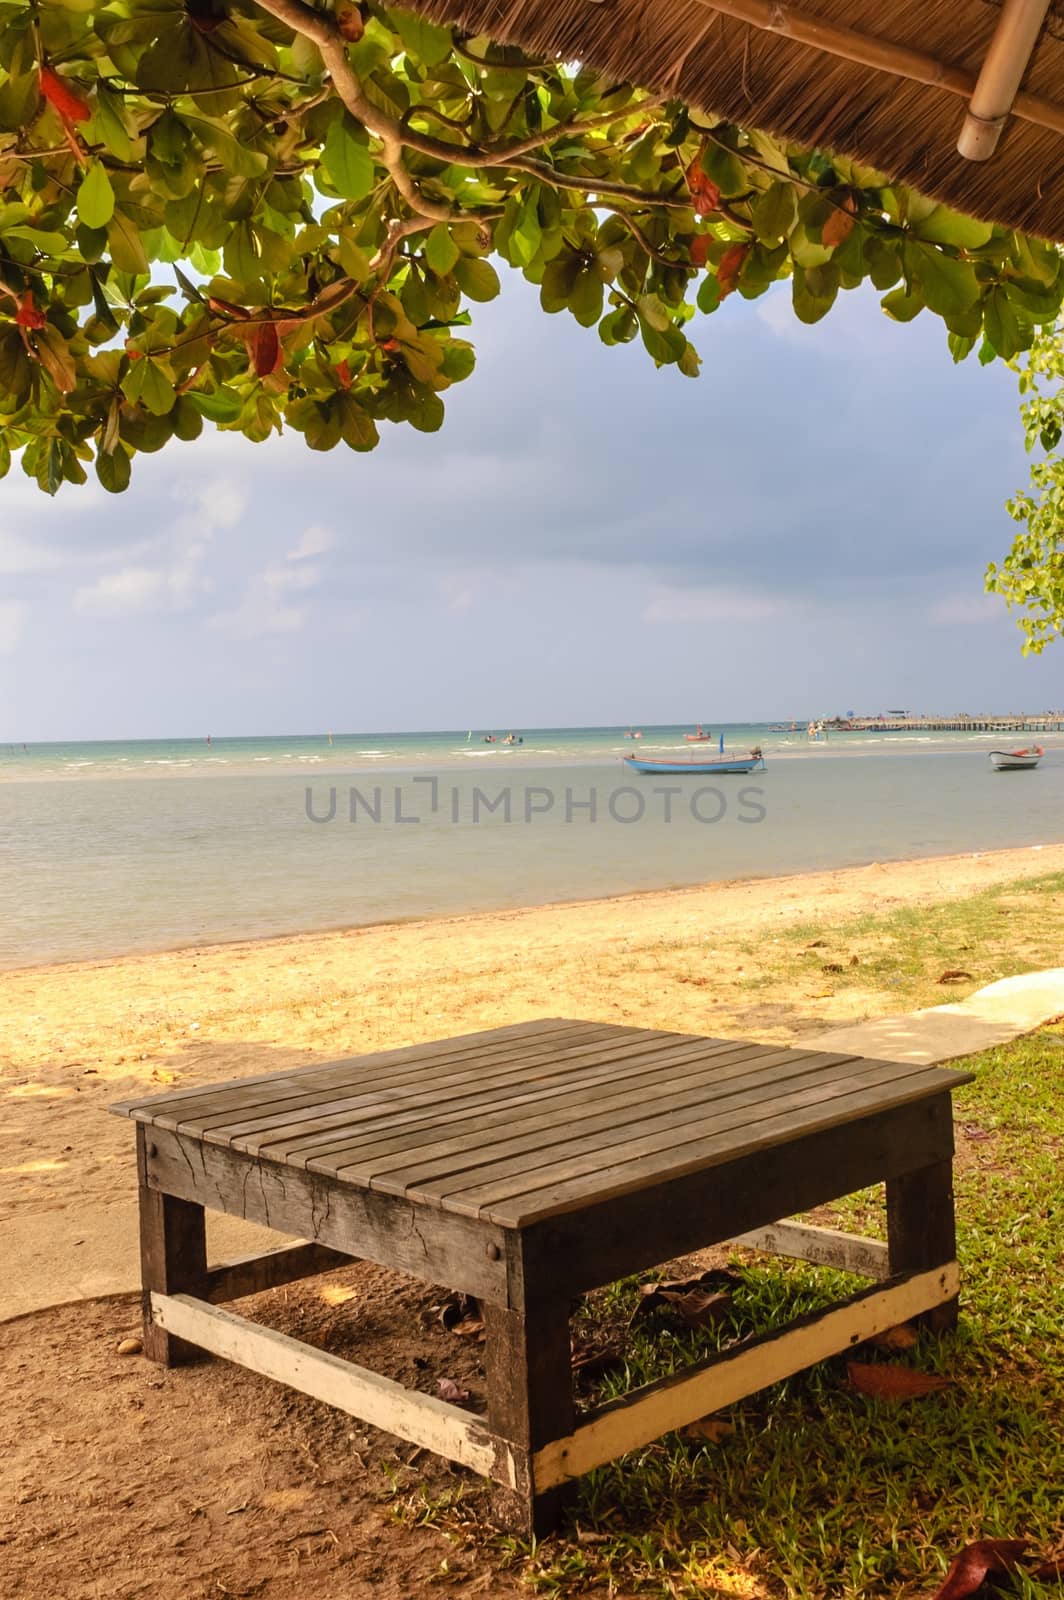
<point x="522" y="1122"/>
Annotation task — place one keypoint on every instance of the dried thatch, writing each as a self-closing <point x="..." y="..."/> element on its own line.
<point x="725" y="65"/>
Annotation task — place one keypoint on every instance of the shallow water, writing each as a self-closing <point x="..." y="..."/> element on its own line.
<point x="202" y="853"/>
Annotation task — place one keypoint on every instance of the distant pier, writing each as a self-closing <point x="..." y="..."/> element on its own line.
<point x="1037" y="722"/>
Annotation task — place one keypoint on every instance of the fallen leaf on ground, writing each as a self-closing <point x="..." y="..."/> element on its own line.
<point x="460" y="1314"/>
<point x="447" y="1389"/>
<point x="977" y="1562"/>
<point x="700" y="1302"/>
<point x="593" y="1358"/>
<point x="903" y="1337"/>
<point x="954" y="975"/>
<point x="590" y="1536"/>
<point x="972" y="1131"/>
<point x="817" y="944"/>
<point x="833" y="966"/>
<point x="712" y="1428"/>
<point x="886" y="1382"/>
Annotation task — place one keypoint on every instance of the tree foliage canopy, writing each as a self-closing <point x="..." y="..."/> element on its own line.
<point x="256" y="215"/>
<point x="1031" y="577"/>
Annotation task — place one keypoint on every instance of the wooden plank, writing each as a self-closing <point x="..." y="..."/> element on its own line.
<point x="540" y="1142"/>
<point x="685" y="1396"/>
<point x="825" y="1247"/>
<point x="528" y="1367"/>
<point x="232" y="1280"/>
<point x="341" y="1104"/>
<point x="419" y="1418"/>
<point x="635" y="1161"/>
<point x="575" y="1250"/>
<point x="173" y="1256"/>
<point x="921" y="1228"/>
<point x="380" y="1058"/>
<point x="692" y="1071"/>
<point x="429" y="1244"/>
<point x="422" y="1114"/>
<point x="356" y="1077"/>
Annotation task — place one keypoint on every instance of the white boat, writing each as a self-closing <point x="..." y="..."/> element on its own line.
<point x="1016" y="760"/>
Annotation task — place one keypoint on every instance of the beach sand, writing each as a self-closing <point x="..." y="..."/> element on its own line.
<point x="82" y="1035"/>
<point x="123" y="1479"/>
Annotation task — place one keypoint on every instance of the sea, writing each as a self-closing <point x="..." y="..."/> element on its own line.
<point x="115" y="846"/>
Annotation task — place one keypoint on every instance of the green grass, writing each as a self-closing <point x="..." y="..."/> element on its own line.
<point x="821" y="1492"/>
<point x="890" y="961"/>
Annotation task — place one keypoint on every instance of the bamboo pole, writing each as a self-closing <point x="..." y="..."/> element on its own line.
<point x="868" y="50"/>
<point x="1000" y="77"/>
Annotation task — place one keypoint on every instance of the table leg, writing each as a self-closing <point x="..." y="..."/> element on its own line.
<point x="530" y="1402"/>
<point x="921" y="1231"/>
<point x="173" y="1257"/>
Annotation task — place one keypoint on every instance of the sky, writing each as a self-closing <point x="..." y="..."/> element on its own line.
<point x="802" y="530"/>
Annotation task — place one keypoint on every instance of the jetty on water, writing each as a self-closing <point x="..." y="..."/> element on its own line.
<point x="1038" y="722"/>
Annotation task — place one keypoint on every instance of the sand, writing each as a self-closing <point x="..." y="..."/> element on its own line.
<point x="81" y="1035"/>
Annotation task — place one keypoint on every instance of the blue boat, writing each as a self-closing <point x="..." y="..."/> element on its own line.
<point x="695" y="767"/>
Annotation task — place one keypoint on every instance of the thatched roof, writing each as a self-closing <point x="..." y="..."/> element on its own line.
<point x="792" y="72"/>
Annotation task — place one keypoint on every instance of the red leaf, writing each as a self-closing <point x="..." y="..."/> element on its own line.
<point x="349" y="22"/>
<point x="840" y="224"/>
<point x="265" y="350"/>
<point x="976" y="1562"/>
<point x="28" y="314"/>
<point x="343" y="374"/>
<point x="704" y="191"/>
<point x="886" y="1382"/>
<point x="731" y="264"/>
<point x="63" y="97"/>
<point x="700" y="248"/>
<point x="225" y="308"/>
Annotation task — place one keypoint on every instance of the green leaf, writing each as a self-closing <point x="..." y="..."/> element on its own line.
<point x="814" y="291"/>
<point x="347" y="162"/>
<point x="726" y="170"/>
<point x="1002" y="326"/>
<point x="147" y="382"/>
<point x="775" y="212"/>
<point x="222" y="405"/>
<point x="943" y="226"/>
<point x="126" y="246"/>
<point x="113" y="470"/>
<point x="946" y="284"/>
<point x="423" y="40"/>
<point x="901" y="306"/>
<point x="96" y="198"/>
<point x="441" y="252"/>
<point x="476" y="278"/>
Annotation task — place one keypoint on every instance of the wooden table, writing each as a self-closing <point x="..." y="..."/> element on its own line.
<point x="526" y="1165"/>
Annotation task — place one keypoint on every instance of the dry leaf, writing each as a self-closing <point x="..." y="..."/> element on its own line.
<point x="972" y="1131"/>
<point x="978" y="1561"/>
<point x="883" y="1381"/>
<point x="903" y="1337"/>
<point x="833" y="966"/>
<point x="954" y="975"/>
<point x="700" y="1302"/>
<point x="817" y="944"/>
<point x="712" y="1428"/>
<point x="594" y="1358"/>
<point x="447" y="1389"/>
<point x="460" y="1313"/>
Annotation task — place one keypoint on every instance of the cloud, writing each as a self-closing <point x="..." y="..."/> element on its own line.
<point x="313" y="541"/>
<point x="266" y="606"/>
<point x="711" y="604"/>
<point x="12" y="621"/>
<point x="966" y="610"/>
